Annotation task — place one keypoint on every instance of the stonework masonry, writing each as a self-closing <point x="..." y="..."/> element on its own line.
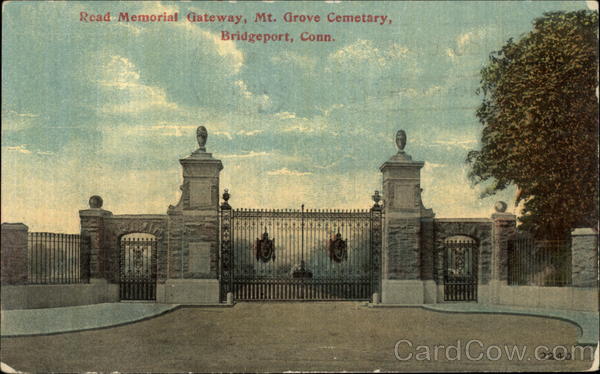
<point x="402" y="236"/>
<point x="403" y="260"/>
<point x="478" y="229"/>
<point x="584" y="247"/>
<point x="188" y="264"/>
<point x="14" y="253"/>
<point x="187" y="236"/>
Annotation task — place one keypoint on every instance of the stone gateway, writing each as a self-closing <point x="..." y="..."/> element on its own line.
<point x="201" y="251"/>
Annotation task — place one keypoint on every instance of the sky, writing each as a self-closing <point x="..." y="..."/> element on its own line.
<point x="108" y="108"/>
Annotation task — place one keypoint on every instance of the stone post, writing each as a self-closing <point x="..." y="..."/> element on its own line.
<point x="584" y="257"/>
<point x="403" y="212"/>
<point x="13" y="253"/>
<point x="94" y="256"/>
<point x="194" y="230"/>
<point x="503" y="229"/>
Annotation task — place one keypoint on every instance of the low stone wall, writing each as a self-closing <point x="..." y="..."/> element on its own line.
<point x="572" y="298"/>
<point x="188" y="291"/>
<point x="36" y="296"/>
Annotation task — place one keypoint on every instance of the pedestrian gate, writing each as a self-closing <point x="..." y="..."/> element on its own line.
<point x="138" y="267"/>
<point x="460" y="270"/>
<point x="300" y="254"/>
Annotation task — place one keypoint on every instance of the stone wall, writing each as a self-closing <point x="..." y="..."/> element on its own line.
<point x="13" y="255"/>
<point x="34" y="296"/>
<point x="117" y="226"/>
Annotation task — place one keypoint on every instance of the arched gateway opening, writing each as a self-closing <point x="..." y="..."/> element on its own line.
<point x="137" y="264"/>
<point x="460" y="268"/>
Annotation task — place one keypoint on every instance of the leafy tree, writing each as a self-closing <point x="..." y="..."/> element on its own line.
<point x="540" y="123"/>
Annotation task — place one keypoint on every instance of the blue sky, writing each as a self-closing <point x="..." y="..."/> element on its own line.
<point x="109" y="109"/>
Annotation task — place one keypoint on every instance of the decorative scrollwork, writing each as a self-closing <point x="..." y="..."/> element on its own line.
<point x="338" y="249"/>
<point x="138" y="259"/>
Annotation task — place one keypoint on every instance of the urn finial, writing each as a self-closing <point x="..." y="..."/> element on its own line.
<point x="376" y="197"/>
<point x="201" y="136"/>
<point x="401" y="140"/>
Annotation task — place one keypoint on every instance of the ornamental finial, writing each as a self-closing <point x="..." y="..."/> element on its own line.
<point x="226" y="196"/>
<point x="96" y="202"/>
<point x="401" y="140"/>
<point x="201" y="136"/>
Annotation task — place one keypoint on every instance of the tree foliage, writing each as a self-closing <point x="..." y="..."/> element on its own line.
<point x="540" y="123"/>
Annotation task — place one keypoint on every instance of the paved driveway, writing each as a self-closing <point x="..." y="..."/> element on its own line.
<point x="258" y="337"/>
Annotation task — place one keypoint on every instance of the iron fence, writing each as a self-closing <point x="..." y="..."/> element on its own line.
<point x="56" y="258"/>
<point x="539" y="262"/>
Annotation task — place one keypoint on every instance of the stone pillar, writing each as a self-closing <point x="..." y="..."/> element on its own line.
<point x="503" y="229"/>
<point x="13" y="253"/>
<point x="403" y="212"/>
<point x="194" y="230"/>
<point x="584" y="257"/>
<point x="94" y="256"/>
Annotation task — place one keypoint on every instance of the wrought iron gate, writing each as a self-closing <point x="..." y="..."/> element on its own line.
<point x="138" y="268"/>
<point x="460" y="269"/>
<point x="300" y="254"/>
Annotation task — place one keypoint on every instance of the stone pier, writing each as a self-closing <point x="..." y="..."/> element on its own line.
<point x="194" y="231"/>
<point x="187" y="236"/>
<point x="404" y="218"/>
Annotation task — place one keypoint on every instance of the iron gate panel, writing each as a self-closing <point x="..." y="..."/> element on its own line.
<point x="460" y="270"/>
<point x="300" y="255"/>
<point x="138" y="269"/>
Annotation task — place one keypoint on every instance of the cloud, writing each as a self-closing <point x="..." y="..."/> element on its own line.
<point x="16" y="121"/>
<point x="229" y="135"/>
<point x="335" y="163"/>
<point x="461" y="143"/>
<point x="299" y="128"/>
<point x="261" y="100"/>
<point x="293" y="58"/>
<point x="250" y="132"/>
<point x="250" y="154"/>
<point x="316" y="124"/>
<point x="327" y="111"/>
<point x="365" y="52"/>
<point x="225" y="134"/>
<point x="124" y="90"/>
<point x="19" y="148"/>
<point x="468" y="42"/>
<point x="286" y="171"/>
<point x="433" y="165"/>
<point x="27" y="115"/>
<point x="285" y="115"/>
<point x="177" y="129"/>
<point x="225" y="48"/>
